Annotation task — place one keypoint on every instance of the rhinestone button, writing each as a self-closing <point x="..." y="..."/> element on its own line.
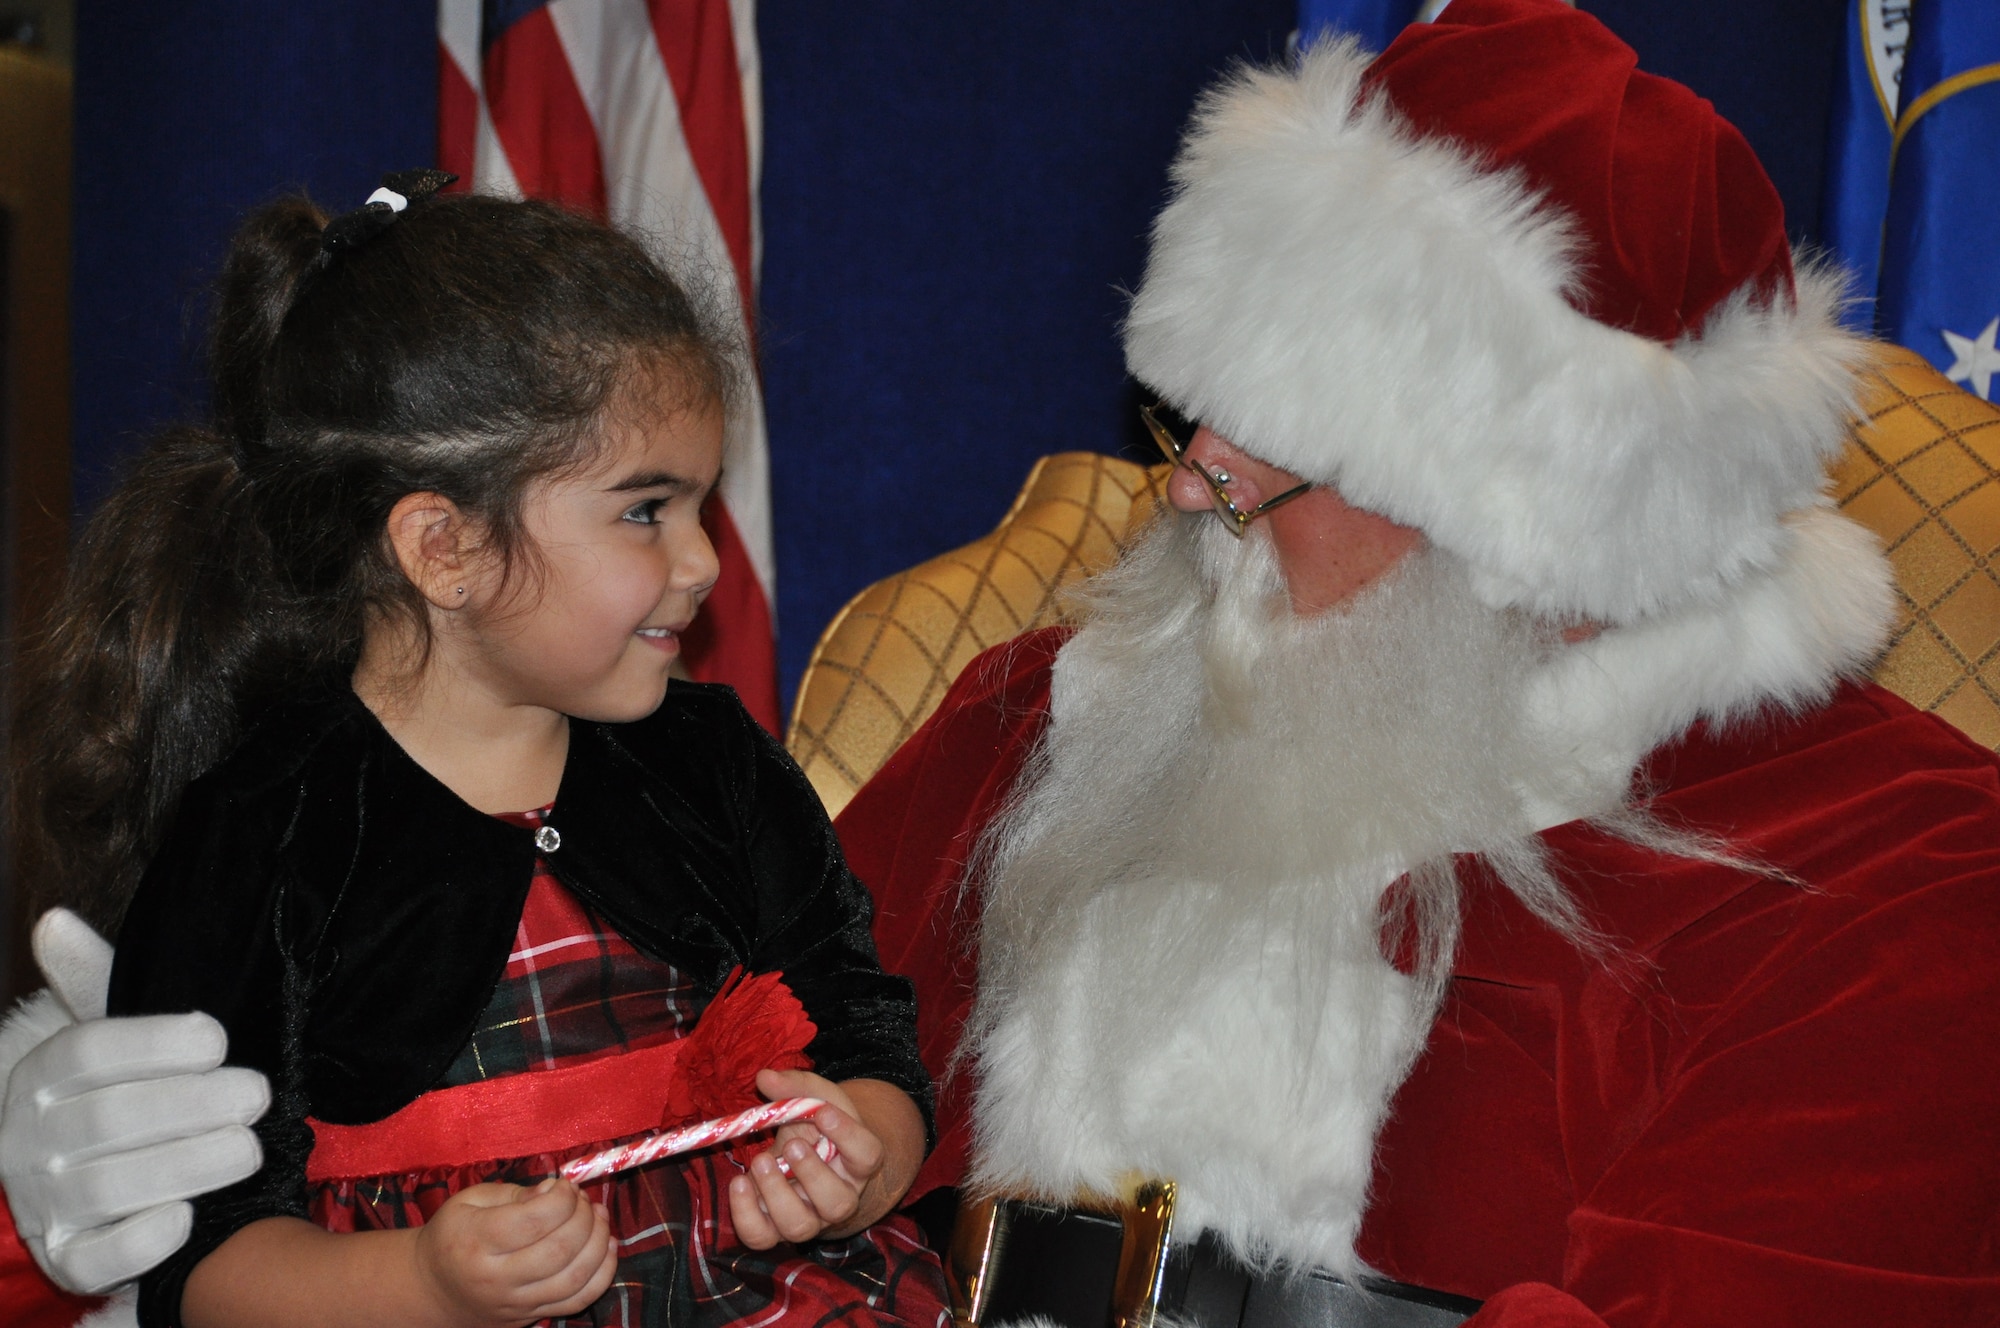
<point x="547" y="840"/>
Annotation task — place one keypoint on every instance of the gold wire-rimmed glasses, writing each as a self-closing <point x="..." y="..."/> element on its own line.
<point x="1233" y="517"/>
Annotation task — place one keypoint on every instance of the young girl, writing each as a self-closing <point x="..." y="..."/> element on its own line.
<point x="372" y="683"/>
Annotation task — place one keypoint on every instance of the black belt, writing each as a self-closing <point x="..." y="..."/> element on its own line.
<point x="1066" y="1266"/>
<point x="1221" y="1293"/>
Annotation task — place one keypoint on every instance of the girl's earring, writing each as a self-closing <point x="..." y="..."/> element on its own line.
<point x="459" y="591"/>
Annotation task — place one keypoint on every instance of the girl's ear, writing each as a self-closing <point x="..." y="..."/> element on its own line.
<point x="434" y="543"/>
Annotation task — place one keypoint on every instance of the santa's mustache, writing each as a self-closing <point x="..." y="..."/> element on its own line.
<point x="1213" y="733"/>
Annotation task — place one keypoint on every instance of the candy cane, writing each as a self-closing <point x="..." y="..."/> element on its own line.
<point x="668" y="1143"/>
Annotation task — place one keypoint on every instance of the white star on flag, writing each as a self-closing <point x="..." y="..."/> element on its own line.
<point x="1977" y="360"/>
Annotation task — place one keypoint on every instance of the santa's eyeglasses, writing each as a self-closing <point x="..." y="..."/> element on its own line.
<point x="1234" y="517"/>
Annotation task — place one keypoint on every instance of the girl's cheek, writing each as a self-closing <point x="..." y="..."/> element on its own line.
<point x="635" y="591"/>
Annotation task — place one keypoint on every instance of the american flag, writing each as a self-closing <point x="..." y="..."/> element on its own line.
<point x="645" y="113"/>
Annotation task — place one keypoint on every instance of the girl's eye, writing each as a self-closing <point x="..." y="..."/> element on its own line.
<point x="646" y="513"/>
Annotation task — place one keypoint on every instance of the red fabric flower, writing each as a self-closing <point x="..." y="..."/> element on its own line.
<point x="754" y="1023"/>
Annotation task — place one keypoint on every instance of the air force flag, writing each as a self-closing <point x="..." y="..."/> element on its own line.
<point x="1861" y="135"/>
<point x="1940" y="281"/>
<point x="1374" y="21"/>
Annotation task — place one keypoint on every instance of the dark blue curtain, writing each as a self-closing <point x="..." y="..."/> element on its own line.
<point x="954" y="197"/>
<point x="187" y="115"/>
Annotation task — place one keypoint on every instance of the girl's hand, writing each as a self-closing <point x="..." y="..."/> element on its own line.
<point x="879" y="1137"/>
<point x="507" y="1255"/>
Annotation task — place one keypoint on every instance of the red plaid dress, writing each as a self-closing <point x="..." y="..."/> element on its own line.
<point x="576" y="991"/>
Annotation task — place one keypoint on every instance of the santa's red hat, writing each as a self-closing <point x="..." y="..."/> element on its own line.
<point x="1499" y="285"/>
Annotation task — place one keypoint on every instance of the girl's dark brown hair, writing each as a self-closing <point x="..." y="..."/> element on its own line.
<point x="474" y="345"/>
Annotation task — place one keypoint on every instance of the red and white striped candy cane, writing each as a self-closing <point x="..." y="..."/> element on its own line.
<point x="688" y="1138"/>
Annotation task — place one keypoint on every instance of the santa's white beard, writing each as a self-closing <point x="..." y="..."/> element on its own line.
<point x="1182" y="969"/>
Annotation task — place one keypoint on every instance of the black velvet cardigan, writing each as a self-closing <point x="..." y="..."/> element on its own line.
<point x="347" y="917"/>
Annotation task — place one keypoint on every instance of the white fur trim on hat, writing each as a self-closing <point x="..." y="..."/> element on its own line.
<point x="1374" y="310"/>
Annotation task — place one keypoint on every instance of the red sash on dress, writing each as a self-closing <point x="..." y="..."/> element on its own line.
<point x="752" y="1024"/>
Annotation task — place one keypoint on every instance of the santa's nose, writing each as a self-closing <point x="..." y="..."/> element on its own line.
<point x="1235" y="470"/>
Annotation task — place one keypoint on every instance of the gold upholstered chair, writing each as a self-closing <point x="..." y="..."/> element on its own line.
<point x="886" y="660"/>
<point x="1923" y="472"/>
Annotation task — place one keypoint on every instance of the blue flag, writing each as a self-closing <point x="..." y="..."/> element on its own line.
<point x="1374" y="21"/>
<point x="1940" y="284"/>
<point x="1860" y="135"/>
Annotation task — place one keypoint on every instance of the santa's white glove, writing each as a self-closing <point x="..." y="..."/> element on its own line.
<point x="110" y="1125"/>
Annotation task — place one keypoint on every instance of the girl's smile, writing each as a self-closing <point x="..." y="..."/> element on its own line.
<point x="667" y="640"/>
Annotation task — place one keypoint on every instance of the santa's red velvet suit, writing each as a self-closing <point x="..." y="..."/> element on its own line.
<point x="1785" y="1109"/>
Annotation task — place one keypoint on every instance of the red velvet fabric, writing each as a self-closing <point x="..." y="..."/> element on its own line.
<point x="1673" y="209"/>
<point x="1782" y="1106"/>
<point x="27" y="1298"/>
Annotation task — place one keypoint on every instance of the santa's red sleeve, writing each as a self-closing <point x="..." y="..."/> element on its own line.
<point x="1781" y="1106"/>
<point x="27" y="1297"/>
<point x="907" y="834"/>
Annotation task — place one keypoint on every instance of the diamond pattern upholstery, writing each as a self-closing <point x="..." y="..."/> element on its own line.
<point x="1923" y="472"/>
<point x="885" y="661"/>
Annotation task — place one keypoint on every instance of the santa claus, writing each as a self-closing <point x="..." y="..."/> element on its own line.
<point x="1457" y="845"/>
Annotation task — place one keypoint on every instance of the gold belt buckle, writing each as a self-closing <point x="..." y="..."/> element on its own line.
<point x="1144" y="1208"/>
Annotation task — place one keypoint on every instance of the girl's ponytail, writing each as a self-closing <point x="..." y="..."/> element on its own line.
<point x="274" y="251"/>
<point x="172" y="619"/>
